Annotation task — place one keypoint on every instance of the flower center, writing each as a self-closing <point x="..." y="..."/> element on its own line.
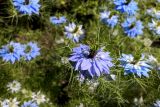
<point x="92" y="54"/>
<point x="11" y="49"/>
<point x="28" y="49"/>
<point x="26" y="2"/>
<point x="136" y="60"/>
<point x="76" y="29"/>
<point x="133" y="62"/>
<point x="112" y="14"/>
<point x="14" y="85"/>
<point x="158" y="24"/>
<point x="132" y="25"/>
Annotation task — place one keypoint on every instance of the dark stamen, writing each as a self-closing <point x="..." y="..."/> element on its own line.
<point x="92" y="53"/>
<point x="28" y="49"/>
<point x="132" y="25"/>
<point x="112" y="14"/>
<point x="26" y="2"/>
<point x="11" y="49"/>
<point x="127" y="2"/>
<point x="133" y="62"/>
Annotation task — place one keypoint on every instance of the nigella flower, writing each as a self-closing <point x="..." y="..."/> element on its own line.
<point x="14" y="86"/>
<point x="157" y="104"/>
<point x="126" y="6"/>
<point x="93" y="84"/>
<point x="27" y="6"/>
<point x="11" y="52"/>
<point x="107" y="18"/>
<point x="153" y="12"/>
<point x="10" y="103"/>
<point x="132" y="27"/>
<point x="31" y="50"/>
<point x="133" y="66"/>
<point x="39" y="98"/>
<point x="74" y="32"/>
<point x="155" y="26"/>
<point x="57" y="20"/>
<point x="90" y="62"/>
<point x="29" y="104"/>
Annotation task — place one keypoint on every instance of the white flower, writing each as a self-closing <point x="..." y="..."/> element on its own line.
<point x="59" y="41"/>
<point x="39" y="98"/>
<point x="138" y="102"/>
<point x="113" y="77"/>
<point x="152" y="59"/>
<point x="10" y="103"/>
<point x="105" y="15"/>
<point x="80" y="78"/>
<point x="64" y="60"/>
<point x="5" y="103"/>
<point x="74" y="32"/>
<point x="150" y="11"/>
<point x="155" y="26"/>
<point x="27" y="93"/>
<point x="93" y="84"/>
<point x="147" y="42"/>
<point x="14" y="86"/>
<point x="154" y="13"/>
<point x="80" y="105"/>
<point x="157" y="104"/>
<point x="115" y="32"/>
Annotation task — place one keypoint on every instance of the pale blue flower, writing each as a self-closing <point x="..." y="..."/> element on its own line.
<point x="107" y="18"/>
<point x="132" y="27"/>
<point x="29" y="104"/>
<point x="28" y="7"/>
<point x="130" y="7"/>
<point x="58" y="20"/>
<point x="11" y="52"/>
<point x="31" y="50"/>
<point x="131" y="65"/>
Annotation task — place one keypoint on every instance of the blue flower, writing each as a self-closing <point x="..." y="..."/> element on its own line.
<point x="11" y="52"/>
<point x="31" y="50"/>
<point x="89" y="62"/>
<point x="132" y="27"/>
<point x="29" y="104"/>
<point x="157" y="104"/>
<point x="74" y="32"/>
<point x="107" y="18"/>
<point x="27" y="6"/>
<point x="132" y="66"/>
<point x="57" y="20"/>
<point x="126" y="6"/>
<point x="155" y="26"/>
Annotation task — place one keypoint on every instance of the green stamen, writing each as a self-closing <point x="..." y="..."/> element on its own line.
<point x="11" y="49"/>
<point x="75" y="30"/>
<point x="28" y="49"/>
